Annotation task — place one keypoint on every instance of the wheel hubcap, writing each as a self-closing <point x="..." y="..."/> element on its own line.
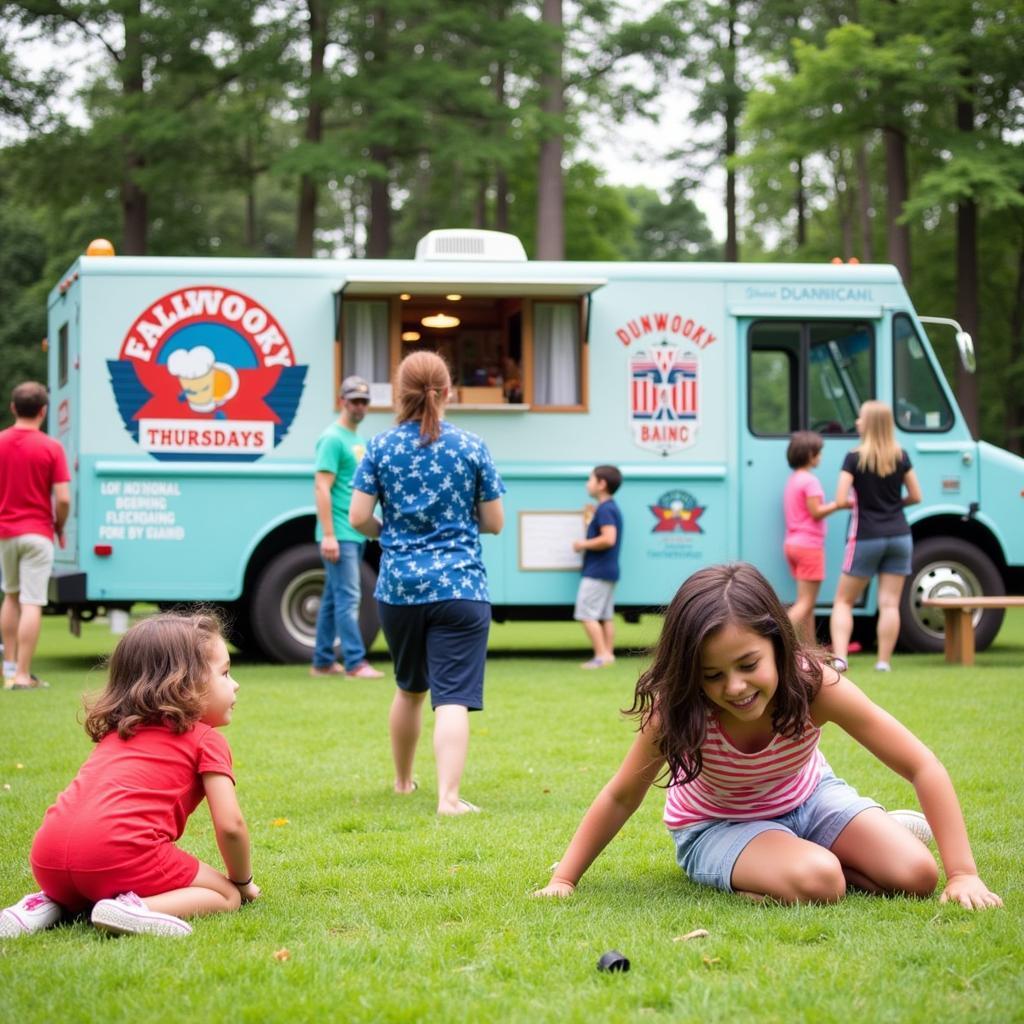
<point x="300" y="604"/>
<point x="941" y="579"/>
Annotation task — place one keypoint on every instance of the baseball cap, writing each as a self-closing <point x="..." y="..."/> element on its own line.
<point x="355" y="387"/>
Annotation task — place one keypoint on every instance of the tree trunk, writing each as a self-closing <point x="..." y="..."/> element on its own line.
<point x="867" y="241"/>
<point x="967" y="312"/>
<point x="500" y="174"/>
<point x="306" y="225"/>
<point x="1014" y="410"/>
<point x="550" y="186"/>
<point x="800" y="202"/>
<point x="378" y="240"/>
<point x="134" y="201"/>
<point x="732" y="245"/>
<point x="897" y="235"/>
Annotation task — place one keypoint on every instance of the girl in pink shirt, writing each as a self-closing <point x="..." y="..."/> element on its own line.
<point x="805" y="510"/>
<point x="729" y="715"/>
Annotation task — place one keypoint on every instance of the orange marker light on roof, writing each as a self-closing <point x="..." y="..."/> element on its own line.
<point x="837" y="260"/>
<point x="100" y="247"/>
<point x="854" y="261"/>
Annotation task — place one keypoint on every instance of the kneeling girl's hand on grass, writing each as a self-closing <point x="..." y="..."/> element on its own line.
<point x="556" y="887"/>
<point x="970" y="892"/>
<point x="249" y="892"/>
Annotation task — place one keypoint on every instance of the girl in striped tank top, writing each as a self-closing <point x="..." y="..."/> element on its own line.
<point x="730" y="713"/>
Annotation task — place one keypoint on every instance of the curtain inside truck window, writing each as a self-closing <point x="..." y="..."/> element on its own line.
<point x="919" y="403"/>
<point x="556" y="354"/>
<point x="366" y="351"/>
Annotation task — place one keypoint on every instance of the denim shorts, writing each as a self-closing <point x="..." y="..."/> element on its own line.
<point x="708" y="851"/>
<point x="892" y="555"/>
<point x="440" y="647"/>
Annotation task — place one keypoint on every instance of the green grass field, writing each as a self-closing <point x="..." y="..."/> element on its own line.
<point x="390" y="914"/>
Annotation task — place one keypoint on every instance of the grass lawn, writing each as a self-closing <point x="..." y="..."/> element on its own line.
<point x="390" y="914"/>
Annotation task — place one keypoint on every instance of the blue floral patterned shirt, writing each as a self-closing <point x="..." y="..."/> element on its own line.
<point x="430" y="539"/>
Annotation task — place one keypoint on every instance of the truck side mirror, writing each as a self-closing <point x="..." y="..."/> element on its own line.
<point x="965" y="345"/>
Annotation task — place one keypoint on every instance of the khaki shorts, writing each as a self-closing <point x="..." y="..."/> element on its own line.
<point x="595" y="600"/>
<point x="26" y="562"/>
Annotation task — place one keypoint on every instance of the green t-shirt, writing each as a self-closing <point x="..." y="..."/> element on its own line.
<point x="339" y="451"/>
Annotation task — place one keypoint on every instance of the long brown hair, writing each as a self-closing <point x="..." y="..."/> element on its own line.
<point x="670" y="693"/>
<point x="878" y="451"/>
<point x="423" y="381"/>
<point x="158" y="675"/>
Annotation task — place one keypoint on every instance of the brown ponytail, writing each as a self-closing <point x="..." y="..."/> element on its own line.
<point x="422" y="385"/>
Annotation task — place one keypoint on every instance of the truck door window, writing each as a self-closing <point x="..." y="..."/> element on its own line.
<point x="366" y="340"/>
<point x="919" y="402"/>
<point x="62" y="356"/>
<point x="810" y="375"/>
<point x="774" y="379"/>
<point x="839" y="375"/>
<point x="556" y="354"/>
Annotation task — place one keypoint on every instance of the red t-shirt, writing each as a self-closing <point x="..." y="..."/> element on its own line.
<point x="129" y="796"/>
<point x="31" y="462"/>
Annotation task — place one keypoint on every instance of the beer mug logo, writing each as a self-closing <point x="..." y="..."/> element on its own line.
<point x="206" y="372"/>
<point x="206" y="384"/>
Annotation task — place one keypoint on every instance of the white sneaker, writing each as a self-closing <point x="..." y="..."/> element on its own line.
<point x="914" y="822"/>
<point x="128" y="915"/>
<point x="883" y="666"/>
<point x="30" y="914"/>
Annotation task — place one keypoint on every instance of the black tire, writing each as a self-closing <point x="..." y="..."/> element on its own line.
<point x="286" y="600"/>
<point x="947" y="567"/>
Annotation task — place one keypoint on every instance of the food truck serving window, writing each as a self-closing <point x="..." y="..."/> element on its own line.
<point x="808" y="375"/>
<point x="506" y="351"/>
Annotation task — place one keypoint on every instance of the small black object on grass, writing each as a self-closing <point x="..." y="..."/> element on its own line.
<point x="613" y="960"/>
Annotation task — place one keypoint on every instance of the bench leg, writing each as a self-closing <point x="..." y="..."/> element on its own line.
<point x="965" y="627"/>
<point x="951" y="634"/>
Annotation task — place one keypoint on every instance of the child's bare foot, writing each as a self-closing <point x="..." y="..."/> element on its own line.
<point x="459" y="807"/>
<point x="406" y="787"/>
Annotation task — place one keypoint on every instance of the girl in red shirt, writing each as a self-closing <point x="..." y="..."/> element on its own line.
<point x="109" y="840"/>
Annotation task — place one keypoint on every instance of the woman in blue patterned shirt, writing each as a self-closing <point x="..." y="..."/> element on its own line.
<point x="438" y="491"/>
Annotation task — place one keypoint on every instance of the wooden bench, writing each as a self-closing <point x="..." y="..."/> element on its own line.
<point x="959" y="625"/>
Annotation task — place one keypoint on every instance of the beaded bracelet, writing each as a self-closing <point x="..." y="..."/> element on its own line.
<point x="240" y="885"/>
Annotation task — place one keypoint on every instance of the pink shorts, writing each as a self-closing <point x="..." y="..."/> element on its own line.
<point x="158" y="870"/>
<point x="805" y="563"/>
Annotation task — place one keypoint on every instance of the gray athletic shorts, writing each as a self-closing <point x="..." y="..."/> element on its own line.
<point x="595" y="600"/>
<point x="26" y="562"/>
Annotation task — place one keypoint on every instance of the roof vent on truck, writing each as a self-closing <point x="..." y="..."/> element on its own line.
<point x="470" y="244"/>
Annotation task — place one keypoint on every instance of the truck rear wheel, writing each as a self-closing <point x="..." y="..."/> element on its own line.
<point x="946" y="567"/>
<point x="286" y="601"/>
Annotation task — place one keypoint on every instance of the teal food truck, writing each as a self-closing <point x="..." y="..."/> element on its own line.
<point x="189" y="393"/>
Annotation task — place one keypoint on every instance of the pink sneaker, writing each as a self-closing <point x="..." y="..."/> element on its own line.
<point x="128" y="915"/>
<point x="364" y="670"/>
<point x="30" y="914"/>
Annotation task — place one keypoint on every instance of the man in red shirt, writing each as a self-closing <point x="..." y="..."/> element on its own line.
<point x="34" y="503"/>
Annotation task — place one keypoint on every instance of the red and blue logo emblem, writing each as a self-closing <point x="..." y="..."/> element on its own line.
<point x="664" y="397"/>
<point x="677" y="510"/>
<point x="207" y="373"/>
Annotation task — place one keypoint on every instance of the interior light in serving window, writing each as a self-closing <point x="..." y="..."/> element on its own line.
<point x="411" y="335"/>
<point x="405" y="296"/>
<point x="441" y="321"/>
<point x="453" y="298"/>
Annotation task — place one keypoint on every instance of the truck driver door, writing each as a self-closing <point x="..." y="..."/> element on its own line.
<point x="799" y="375"/>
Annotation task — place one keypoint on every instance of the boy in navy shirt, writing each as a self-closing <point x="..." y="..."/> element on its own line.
<point x="595" y="599"/>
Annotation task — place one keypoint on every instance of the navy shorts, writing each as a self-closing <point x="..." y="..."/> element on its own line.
<point x="892" y="555"/>
<point x="440" y="647"/>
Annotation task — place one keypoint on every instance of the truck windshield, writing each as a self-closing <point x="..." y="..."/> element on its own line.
<point x="918" y="399"/>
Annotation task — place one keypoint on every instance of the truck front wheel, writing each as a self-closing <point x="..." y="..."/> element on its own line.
<point x="286" y="600"/>
<point x="947" y="567"/>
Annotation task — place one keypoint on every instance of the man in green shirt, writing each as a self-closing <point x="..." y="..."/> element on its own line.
<point x="338" y="452"/>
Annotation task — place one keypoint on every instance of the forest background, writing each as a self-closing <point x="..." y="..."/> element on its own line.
<point x="887" y="130"/>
